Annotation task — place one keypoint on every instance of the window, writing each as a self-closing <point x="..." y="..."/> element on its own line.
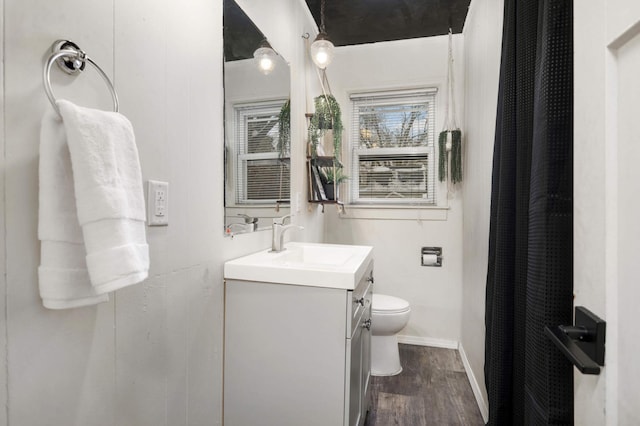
<point x="262" y="170"/>
<point x="392" y="147"/>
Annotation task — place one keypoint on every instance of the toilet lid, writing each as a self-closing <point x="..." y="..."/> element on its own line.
<point x="386" y="303"/>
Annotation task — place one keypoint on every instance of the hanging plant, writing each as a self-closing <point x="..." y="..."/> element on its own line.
<point x="450" y="149"/>
<point x="450" y="139"/>
<point x="327" y="116"/>
<point x="331" y="178"/>
<point x="284" y="130"/>
<point x="332" y="175"/>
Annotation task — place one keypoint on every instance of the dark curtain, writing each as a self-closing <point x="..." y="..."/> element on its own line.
<point x="530" y="271"/>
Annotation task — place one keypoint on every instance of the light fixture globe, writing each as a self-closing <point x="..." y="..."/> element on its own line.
<point x="322" y="51"/>
<point x="265" y="58"/>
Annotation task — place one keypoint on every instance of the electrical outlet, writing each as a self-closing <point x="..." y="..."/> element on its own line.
<point x="158" y="203"/>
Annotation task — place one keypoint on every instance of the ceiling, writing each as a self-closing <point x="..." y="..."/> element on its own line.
<point x="350" y="22"/>
<point x="241" y="36"/>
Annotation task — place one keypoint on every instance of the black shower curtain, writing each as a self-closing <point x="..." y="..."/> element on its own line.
<point x="530" y="272"/>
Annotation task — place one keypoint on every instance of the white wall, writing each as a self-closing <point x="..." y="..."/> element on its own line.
<point x="594" y="144"/>
<point x="397" y="235"/>
<point x="153" y="354"/>
<point x="483" y="40"/>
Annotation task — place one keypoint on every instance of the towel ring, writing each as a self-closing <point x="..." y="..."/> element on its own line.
<point x="71" y="59"/>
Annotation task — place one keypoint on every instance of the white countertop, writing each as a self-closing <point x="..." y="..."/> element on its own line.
<point x="306" y="264"/>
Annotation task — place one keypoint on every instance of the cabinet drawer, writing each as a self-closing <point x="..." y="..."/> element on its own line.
<point x="360" y="300"/>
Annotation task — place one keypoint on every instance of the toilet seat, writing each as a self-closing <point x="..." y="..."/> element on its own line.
<point x="385" y="304"/>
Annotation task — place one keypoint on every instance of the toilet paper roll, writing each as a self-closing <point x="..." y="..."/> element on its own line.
<point x="429" y="259"/>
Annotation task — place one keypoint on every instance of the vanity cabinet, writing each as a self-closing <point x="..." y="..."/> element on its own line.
<point x="297" y="354"/>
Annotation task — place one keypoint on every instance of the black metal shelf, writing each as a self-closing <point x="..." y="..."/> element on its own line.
<point x="316" y="191"/>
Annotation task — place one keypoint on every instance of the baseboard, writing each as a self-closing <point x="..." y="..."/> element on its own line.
<point x="428" y="341"/>
<point x="475" y="387"/>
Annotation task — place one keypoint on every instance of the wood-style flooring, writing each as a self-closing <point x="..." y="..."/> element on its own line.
<point x="433" y="389"/>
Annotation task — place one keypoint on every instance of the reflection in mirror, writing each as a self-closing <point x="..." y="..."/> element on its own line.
<point x="257" y="143"/>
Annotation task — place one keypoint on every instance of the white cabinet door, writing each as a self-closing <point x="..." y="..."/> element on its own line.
<point x="284" y="355"/>
<point x="359" y="362"/>
<point x="607" y="201"/>
<point x="366" y="354"/>
<point x="355" y="378"/>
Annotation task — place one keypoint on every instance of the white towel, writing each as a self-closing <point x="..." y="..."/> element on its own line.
<point x="63" y="276"/>
<point x="107" y="185"/>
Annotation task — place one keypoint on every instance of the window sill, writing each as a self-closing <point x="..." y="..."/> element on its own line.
<point x="382" y="212"/>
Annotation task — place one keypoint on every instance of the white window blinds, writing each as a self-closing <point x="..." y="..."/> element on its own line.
<point x="262" y="170"/>
<point x="392" y="147"/>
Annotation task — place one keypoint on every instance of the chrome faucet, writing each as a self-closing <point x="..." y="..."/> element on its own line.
<point x="281" y="220"/>
<point x="279" y="228"/>
<point x="251" y="222"/>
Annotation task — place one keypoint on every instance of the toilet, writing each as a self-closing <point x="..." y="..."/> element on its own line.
<point x="389" y="315"/>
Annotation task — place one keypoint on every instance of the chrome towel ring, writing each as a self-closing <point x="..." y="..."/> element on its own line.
<point x="71" y="59"/>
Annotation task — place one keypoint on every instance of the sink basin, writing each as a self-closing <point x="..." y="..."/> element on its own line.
<point x="321" y="254"/>
<point x="308" y="264"/>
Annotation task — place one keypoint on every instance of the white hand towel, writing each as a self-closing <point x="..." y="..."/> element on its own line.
<point x="109" y="196"/>
<point x="63" y="276"/>
<point x="91" y="217"/>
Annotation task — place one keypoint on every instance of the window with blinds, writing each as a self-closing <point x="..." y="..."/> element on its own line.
<point x="262" y="171"/>
<point x="392" y="147"/>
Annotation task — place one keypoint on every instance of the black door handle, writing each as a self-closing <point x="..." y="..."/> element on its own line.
<point x="582" y="344"/>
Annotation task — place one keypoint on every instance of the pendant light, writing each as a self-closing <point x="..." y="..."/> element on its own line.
<point x="322" y="48"/>
<point x="265" y="57"/>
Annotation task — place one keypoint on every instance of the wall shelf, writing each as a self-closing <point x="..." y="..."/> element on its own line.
<point x="340" y="204"/>
<point x="319" y="191"/>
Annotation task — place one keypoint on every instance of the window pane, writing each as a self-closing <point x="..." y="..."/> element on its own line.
<point x="387" y="126"/>
<point x="262" y="134"/>
<point x="393" y="177"/>
<point x="267" y="179"/>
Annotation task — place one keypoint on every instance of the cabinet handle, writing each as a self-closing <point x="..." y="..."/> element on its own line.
<point x="370" y="279"/>
<point x="360" y="301"/>
<point x="367" y="324"/>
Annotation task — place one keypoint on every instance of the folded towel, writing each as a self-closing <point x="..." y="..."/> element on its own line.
<point x="109" y="196"/>
<point x="91" y="219"/>
<point x="63" y="276"/>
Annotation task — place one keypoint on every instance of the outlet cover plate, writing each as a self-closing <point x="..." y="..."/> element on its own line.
<point x="158" y="203"/>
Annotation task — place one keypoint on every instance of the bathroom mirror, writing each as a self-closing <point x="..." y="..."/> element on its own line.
<point x="257" y="164"/>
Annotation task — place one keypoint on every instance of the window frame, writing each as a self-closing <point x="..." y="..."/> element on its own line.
<point x="357" y="153"/>
<point x="241" y="111"/>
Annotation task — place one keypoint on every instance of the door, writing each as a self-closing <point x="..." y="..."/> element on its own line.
<point x="607" y="201"/>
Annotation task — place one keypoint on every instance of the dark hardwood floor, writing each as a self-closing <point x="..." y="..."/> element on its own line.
<point x="433" y="389"/>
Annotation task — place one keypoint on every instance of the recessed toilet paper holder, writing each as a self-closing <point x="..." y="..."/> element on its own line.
<point x="431" y="256"/>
